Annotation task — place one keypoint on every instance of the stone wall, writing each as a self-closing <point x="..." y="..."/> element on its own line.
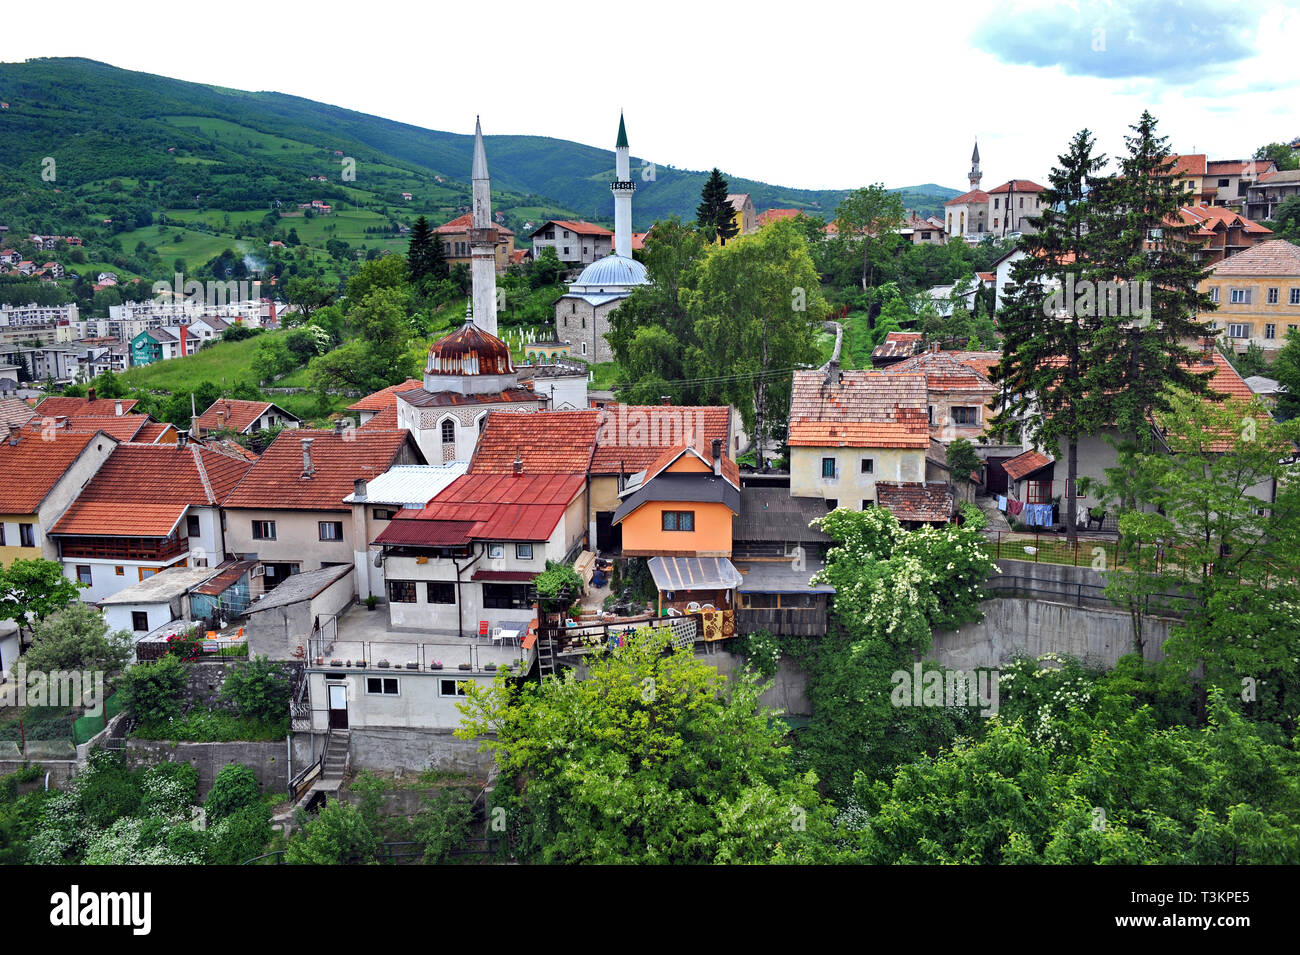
<point x="205" y="679"/>
<point x="60" y="770"/>
<point x="269" y="760"/>
<point x="412" y="750"/>
<point x="788" y="692"/>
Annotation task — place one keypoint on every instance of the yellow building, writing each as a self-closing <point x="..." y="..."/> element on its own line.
<point x="1258" y="295"/>
<point x="743" y="215"/>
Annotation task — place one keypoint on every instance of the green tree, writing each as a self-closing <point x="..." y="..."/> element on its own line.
<point x="1280" y="153"/>
<point x="32" y="589"/>
<point x="339" y="834"/>
<point x="546" y="270"/>
<point x="867" y="220"/>
<point x="1286" y="370"/>
<point x="715" y="215"/>
<point x="1286" y="219"/>
<point x="306" y="295"/>
<point x="379" y="354"/>
<point x="273" y="358"/>
<point x="78" y="638"/>
<point x="234" y="790"/>
<point x="679" y="765"/>
<point x="424" y="258"/>
<point x="961" y="460"/>
<point x="151" y="692"/>
<point x="258" y="689"/>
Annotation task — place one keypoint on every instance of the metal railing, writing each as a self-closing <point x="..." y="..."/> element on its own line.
<point x="1083" y="595"/>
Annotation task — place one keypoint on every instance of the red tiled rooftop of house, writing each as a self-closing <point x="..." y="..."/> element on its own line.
<point x="975" y="195"/>
<point x="772" y="215"/>
<point x="277" y="481"/>
<point x="102" y="407"/>
<point x="1273" y="257"/>
<point x="943" y="372"/>
<point x="548" y="442"/>
<point x="1026" y="463"/>
<point x="897" y="344"/>
<point x="110" y="519"/>
<point x="30" y="469"/>
<point x="582" y="228"/>
<point x="153" y="431"/>
<point x="233" y="414"/>
<point x="730" y="470"/>
<point x="513" y="507"/>
<point x="385" y="420"/>
<point x="465" y="223"/>
<point x="1025" y="186"/>
<point x="916" y="500"/>
<point x="870" y="409"/>
<point x="122" y="427"/>
<point x="385" y="397"/>
<point x="1189" y="165"/>
<point x="630" y="437"/>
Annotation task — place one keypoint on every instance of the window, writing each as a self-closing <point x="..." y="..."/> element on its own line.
<point x="995" y="223"/>
<point x="1022" y="202"/>
<point x="440" y="592"/>
<point x="584" y="321"/>
<point x="1223" y="183"/>
<point x="146" y="572"/>
<point x="868" y="466"/>
<point x="832" y="503"/>
<point x="524" y="551"/>
<point x="505" y="596"/>
<point x="140" y="621"/>
<point x="496" y="551"/>
<point x="119" y="571"/>
<point x="263" y="530"/>
<point x="192" y="525"/>
<point x="331" y="530"/>
<point x="26" y="535"/>
<point x="381" y="686"/>
<point x="2" y="535"/>
<point x="866" y="504"/>
<point x="451" y="687"/>
<point x="828" y="467"/>
<point x="401" y="591"/>
<point x="1214" y="295"/>
<point x="995" y="203"/>
<point x="1238" y="330"/>
<point x="448" y="431"/>
<point x="83" y="574"/>
<point x="1295" y="297"/>
<point x="566" y="250"/>
<point x="383" y="513"/>
<point x="584" y="348"/>
<point x="1272" y="296"/>
<point x="678" y="520"/>
<point x="1270" y="330"/>
<point x="966" y="415"/>
<point x="1240" y="296"/>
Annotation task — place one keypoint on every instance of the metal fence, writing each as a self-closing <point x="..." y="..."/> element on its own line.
<point x="1083" y="595"/>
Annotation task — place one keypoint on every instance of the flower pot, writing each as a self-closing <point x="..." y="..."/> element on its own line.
<point x="435" y="665"/>
<point x="336" y="663"/>
<point x="463" y="666"/>
<point x="320" y="661"/>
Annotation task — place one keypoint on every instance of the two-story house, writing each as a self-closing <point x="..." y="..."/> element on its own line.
<point x="244" y="417"/>
<point x="40" y="476"/>
<point x="575" y="243"/>
<point x="290" y="512"/>
<point x="462" y="564"/>
<point x="1258" y="295"/>
<point x="148" y="507"/>
<point x="456" y="242"/>
<point x="849" y="429"/>
<point x="959" y="399"/>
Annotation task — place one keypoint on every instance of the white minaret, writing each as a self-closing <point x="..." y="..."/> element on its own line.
<point x="622" y="188"/>
<point x="974" y="175"/>
<point x="482" y="240"/>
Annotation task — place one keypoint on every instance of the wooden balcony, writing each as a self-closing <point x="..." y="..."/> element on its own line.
<point x="124" y="548"/>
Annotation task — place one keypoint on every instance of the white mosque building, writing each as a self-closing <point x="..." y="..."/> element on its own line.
<point x="582" y="315"/>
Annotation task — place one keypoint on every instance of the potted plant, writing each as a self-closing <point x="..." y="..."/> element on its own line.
<point x="336" y="663"/>
<point x="463" y="666"/>
<point x="435" y="665"/>
<point x="383" y="664"/>
<point x="490" y="667"/>
<point x="371" y="601"/>
<point x="361" y="664"/>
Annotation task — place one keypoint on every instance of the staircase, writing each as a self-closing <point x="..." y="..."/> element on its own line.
<point x="335" y="765"/>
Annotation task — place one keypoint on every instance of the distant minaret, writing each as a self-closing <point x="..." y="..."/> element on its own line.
<point x="974" y="174"/>
<point x="622" y="188"/>
<point x="482" y="240"/>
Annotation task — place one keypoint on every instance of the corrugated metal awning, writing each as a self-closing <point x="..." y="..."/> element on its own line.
<point x="694" y="573"/>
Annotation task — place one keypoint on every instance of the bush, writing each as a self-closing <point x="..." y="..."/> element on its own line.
<point x="443" y="824"/>
<point x="972" y="517"/>
<point x="235" y="788"/>
<point x="762" y="651"/>
<point x="339" y="834"/>
<point x="151" y="692"/>
<point x="241" y="836"/>
<point x="258" y="689"/>
<point x="77" y="638"/>
<point x="108" y="790"/>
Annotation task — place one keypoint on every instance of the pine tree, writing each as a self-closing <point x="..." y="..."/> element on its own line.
<point x="424" y="256"/>
<point x="714" y="214"/>
<point x="1049" y="366"/>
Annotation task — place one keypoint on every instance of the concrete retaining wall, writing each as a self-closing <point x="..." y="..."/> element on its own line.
<point x="412" y="750"/>
<point x="788" y="692"/>
<point x="60" y="770"/>
<point x="1014" y="626"/>
<point x="270" y="760"/>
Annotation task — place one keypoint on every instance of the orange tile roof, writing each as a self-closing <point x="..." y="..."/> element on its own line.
<point x="981" y="361"/>
<point x="897" y="344"/>
<point x="1274" y="257"/>
<point x="772" y="215"/>
<point x="730" y="470"/>
<point x="123" y="427"/>
<point x="582" y="228"/>
<point x="236" y="415"/>
<point x="58" y="405"/>
<point x="916" y="500"/>
<point x="1026" y="463"/>
<point x="385" y="397"/>
<point x="464" y="224"/>
<point x="860" y="409"/>
<point x="110" y="519"/>
<point x="975" y="195"/>
<point x="549" y="442"/>
<point x="943" y="372"/>
<point x="1190" y="165"/>
<point x="153" y="431"/>
<point x="1020" y="185"/>
<point x="385" y="420"/>
<point x="30" y="469"/>
<point x="631" y="437"/>
<point x="276" y="481"/>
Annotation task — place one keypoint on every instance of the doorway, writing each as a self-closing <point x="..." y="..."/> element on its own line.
<point x="338" y="706"/>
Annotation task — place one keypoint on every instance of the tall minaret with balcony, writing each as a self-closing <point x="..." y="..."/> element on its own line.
<point x="974" y="175"/>
<point x="623" y="187"/>
<point x="483" y="241"/>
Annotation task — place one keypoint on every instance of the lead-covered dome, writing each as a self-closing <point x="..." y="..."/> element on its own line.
<point x="611" y="273"/>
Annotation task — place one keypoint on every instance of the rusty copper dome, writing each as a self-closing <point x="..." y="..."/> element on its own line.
<point x="470" y="351"/>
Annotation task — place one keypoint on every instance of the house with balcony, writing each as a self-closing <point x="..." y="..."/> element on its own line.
<point x="1231" y="179"/>
<point x="1217" y="232"/>
<point x="1269" y="191"/>
<point x="575" y="243"/>
<point x="290" y="510"/>
<point x="850" y="429"/>
<point x="40" y="476"/>
<point x="148" y="507"/>
<point x="959" y="399"/>
<point x="1257" y="292"/>
<point x="456" y="242"/>
<point x="462" y="564"/>
<point x="776" y="552"/>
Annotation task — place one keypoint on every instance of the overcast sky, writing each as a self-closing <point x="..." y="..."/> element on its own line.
<point x="810" y="94"/>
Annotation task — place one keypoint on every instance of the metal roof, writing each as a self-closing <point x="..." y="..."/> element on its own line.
<point x="411" y="485"/>
<point x="700" y="488"/>
<point x="301" y="587"/>
<point x="780" y="577"/>
<point x="694" y="573"/>
<point x="162" y="586"/>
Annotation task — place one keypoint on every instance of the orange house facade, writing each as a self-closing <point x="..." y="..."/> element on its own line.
<point x="681" y="506"/>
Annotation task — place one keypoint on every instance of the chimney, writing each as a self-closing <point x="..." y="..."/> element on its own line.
<point x="359" y="490"/>
<point x="832" y="371"/>
<point x="117" y="408"/>
<point x="307" y="468"/>
<point x="15" y="430"/>
<point x="341" y="425"/>
<point x="519" y="463"/>
<point x="665" y="399"/>
<point x="90" y="393"/>
<point x="717" y="457"/>
<point x="221" y="420"/>
<point x="181" y="440"/>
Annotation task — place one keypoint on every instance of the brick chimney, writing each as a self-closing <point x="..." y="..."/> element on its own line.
<point x="90" y="393"/>
<point x="15" y="433"/>
<point x="519" y="463"/>
<point x="307" y="468"/>
<point x="665" y="399"/>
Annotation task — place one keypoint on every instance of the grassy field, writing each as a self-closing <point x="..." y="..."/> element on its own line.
<point x="241" y="137"/>
<point x="224" y="363"/>
<point x="195" y="247"/>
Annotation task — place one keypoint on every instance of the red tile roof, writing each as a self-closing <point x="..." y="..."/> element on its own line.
<point x="943" y="372"/>
<point x="631" y="437"/>
<point x="14" y="411"/>
<point x="385" y="397"/>
<point x="730" y="470"/>
<point x="975" y="195"/>
<point x="30" y="469"/>
<point x="465" y="223"/>
<point x="772" y="215"/>
<point x="59" y="405"/>
<point x="385" y="420"/>
<point x="859" y="409"/>
<point x="1190" y="165"/>
<point x="1026" y="463"/>
<point x="234" y="414"/>
<point x="153" y="431"/>
<point x="981" y="361"/>
<point x="897" y="344"/>
<point x="515" y="507"/>
<point x="1025" y="186"/>
<point x="1274" y="257"/>
<point x="916" y="500"/>
<point x="276" y="481"/>
<point x="582" y="228"/>
<point x="109" y="519"/>
<point x="549" y="442"/>
<point x="123" y="427"/>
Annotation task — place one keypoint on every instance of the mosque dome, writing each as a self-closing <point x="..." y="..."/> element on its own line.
<point x="611" y="273"/>
<point x="469" y="351"/>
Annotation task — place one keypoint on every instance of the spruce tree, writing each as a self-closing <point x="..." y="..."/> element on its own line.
<point x="424" y="256"/>
<point x="714" y="214"/>
<point x="1049" y="366"/>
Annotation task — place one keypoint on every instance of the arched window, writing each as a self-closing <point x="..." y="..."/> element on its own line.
<point x="482" y="421"/>
<point x="448" y="431"/>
